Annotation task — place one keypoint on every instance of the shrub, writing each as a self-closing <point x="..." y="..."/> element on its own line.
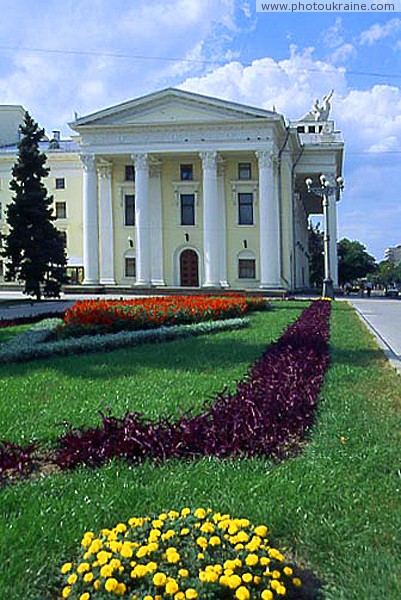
<point x="184" y="555"/>
<point x="15" y="459"/>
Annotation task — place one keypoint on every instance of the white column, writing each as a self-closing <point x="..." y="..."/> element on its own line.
<point x="106" y="225"/>
<point x="223" y="222"/>
<point x="142" y="231"/>
<point x="333" y="236"/>
<point x="269" y="222"/>
<point x="156" y="223"/>
<point x="90" y="220"/>
<point x="211" y="231"/>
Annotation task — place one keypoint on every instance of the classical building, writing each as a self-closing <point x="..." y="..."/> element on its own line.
<point x="181" y="190"/>
<point x="393" y="254"/>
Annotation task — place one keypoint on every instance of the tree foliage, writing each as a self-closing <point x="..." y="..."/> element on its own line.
<point x="34" y="248"/>
<point x="388" y="273"/>
<point x="353" y="261"/>
<point x="316" y="255"/>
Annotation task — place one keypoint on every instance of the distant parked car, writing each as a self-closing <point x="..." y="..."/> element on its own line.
<point x="392" y="291"/>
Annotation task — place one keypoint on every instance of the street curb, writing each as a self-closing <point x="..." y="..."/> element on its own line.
<point x="388" y="351"/>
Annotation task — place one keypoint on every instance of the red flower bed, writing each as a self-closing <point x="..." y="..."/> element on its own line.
<point x="108" y="316"/>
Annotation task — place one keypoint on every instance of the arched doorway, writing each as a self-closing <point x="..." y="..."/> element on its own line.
<point x="189" y="269"/>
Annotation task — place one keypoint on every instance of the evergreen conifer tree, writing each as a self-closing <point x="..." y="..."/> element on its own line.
<point x="34" y="247"/>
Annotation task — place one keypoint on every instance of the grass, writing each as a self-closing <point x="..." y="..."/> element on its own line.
<point x="7" y="333"/>
<point x="156" y="379"/>
<point x="335" y="506"/>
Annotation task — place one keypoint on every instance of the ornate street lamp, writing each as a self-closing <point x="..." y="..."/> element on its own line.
<point x="325" y="190"/>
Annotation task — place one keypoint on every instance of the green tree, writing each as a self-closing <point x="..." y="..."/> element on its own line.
<point x="34" y="248"/>
<point x="388" y="273"/>
<point x="316" y="255"/>
<point x="353" y="261"/>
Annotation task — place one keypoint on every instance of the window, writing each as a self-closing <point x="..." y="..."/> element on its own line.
<point x="246" y="268"/>
<point x="245" y="209"/>
<point x="244" y="171"/>
<point x="60" y="183"/>
<point x="63" y="235"/>
<point x="187" y="209"/>
<point x="61" y="210"/>
<point x="130" y="266"/>
<point x="129" y="173"/>
<point x="186" y="172"/>
<point x="129" y="210"/>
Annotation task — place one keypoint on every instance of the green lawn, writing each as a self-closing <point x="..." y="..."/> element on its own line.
<point x="7" y="333"/>
<point x="335" y="507"/>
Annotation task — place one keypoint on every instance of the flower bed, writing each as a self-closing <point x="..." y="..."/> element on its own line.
<point x="184" y="555"/>
<point x="270" y="411"/>
<point x="91" y="317"/>
<point x="31" y="319"/>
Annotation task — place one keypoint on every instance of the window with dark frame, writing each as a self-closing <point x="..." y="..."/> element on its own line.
<point x="245" y="208"/>
<point x="60" y="183"/>
<point x="244" y="171"/>
<point x="187" y="209"/>
<point x="246" y="268"/>
<point x="129" y="173"/>
<point x="129" y="210"/>
<point x="130" y="266"/>
<point x="61" y="210"/>
<point x="186" y="172"/>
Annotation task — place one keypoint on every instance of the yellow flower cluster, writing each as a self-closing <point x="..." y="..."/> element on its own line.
<point x="179" y="555"/>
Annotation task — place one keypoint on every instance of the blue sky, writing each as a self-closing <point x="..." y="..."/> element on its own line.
<point x="84" y="55"/>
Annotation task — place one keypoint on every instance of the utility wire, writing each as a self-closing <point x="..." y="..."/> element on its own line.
<point x="93" y="53"/>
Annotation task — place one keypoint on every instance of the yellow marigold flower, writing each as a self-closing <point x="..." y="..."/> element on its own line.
<point x="126" y="551"/>
<point x="224" y="580"/>
<point x="228" y="572"/>
<point x="276" y="574"/>
<point x="288" y="571"/>
<point x="95" y="546"/>
<point x="159" y="579"/>
<point x="297" y="582"/>
<point x="242" y="536"/>
<point x="281" y="590"/>
<point x="183" y="573"/>
<point x="251" y="560"/>
<point x="230" y="564"/>
<point x="163" y="517"/>
<point x="267" y="595"/>
<point x="202" y="542"/>
<point x="210" y="576"/>
<point x="244" y="522"/>
<point x="121" y="589"/>
<point x="179" y="596"/>
<point x="275" y="585"/>
<point x="97" y="584"/>
<point x="201" y="556"/>
<point x="215" y="540"/>
<point x="140" y="553"/>
<point x="200" y="513"/>
<point x="139" y="571"/>
<point x="173" y="514"/>
<point x="115" y="563"/>
<point x="224" y="524"/>
<point x="106" y="571"/>
<point x="151" y="566"/>
<point x="218" y="568"/>
<point x="173" y="558"/>
<point x="72" y="579"/>
<point x="83" y="567"/>
<point x="191" y="594"/>
<point x="88" y="577"/>
<point x="171" y="587"/>
<point x="85" y="596"/>
<point x="157" y="524"/>
<point x="239" y="547"/>
<point x="66" y="568"/>
<point x="274" y="553"/>
<point x="261" y="531"/>
<point x="234" y="581"/>
<point x="247" y="577"/>
<point x="111" y="584"/>
<point x="207" y="527"/>
<point x="242" y="593"/>
<point x="87" y="555"/>
<point x="168" y="535"/>
<point x="103" y="557"/>
<point x="185" y="512"/>
<point x="257" y="579"/>
<point x="184" y="531"/>
<point x="264" y="561"/>
<point x="148" y="598"/>
<point x="66" y="591"/>
<point x="233" y="529"/>
<point x="121" y="527"/>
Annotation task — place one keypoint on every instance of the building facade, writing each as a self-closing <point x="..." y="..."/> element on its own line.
<point x="393" y="254"/>
<point x="180" y="190"/>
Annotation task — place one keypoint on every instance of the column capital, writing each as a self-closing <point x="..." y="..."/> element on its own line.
<point x="88" y="162"/>
<point x="104" y="170"/>
<point x="209" y="159"/>
<point x="265" y="158"/>
<point x="140" y="160"/>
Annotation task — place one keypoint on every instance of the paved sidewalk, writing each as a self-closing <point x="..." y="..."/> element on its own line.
<point x="382" y="316"/>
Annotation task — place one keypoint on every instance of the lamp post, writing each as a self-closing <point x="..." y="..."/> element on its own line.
<point x="325" y="190"/>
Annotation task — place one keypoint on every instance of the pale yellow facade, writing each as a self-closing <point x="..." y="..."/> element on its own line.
<point x="239" y="247"/>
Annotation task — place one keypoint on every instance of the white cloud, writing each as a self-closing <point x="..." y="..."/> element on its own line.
<point x="378" y="32"/>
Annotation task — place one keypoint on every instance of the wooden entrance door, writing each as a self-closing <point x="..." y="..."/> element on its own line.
<point x="189" y="269"/>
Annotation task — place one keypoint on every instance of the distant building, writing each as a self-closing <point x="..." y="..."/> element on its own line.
<point x="393" y="254"/>
<point x="181" y="190"/>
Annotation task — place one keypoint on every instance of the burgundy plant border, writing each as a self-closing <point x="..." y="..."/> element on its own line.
<point x="271" y="409"/>
<point x="15" y="459"/>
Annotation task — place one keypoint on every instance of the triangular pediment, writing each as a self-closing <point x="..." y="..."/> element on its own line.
<point x="171" y="106"/>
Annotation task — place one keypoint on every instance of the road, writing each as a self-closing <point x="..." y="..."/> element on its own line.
<point x="383" y="317"/>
